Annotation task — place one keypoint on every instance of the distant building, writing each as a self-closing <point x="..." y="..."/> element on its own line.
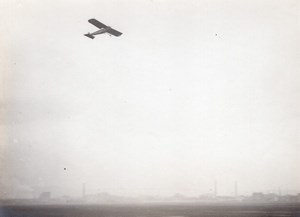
<point x="83" y="190"/>
<point x="298" y="197"/>
<point x="235" y="189"/>
<point x="289" y="198"/>
<point x="178" y="197"/>
<point x="258" y="196"/>
<point x="101" y="198"/>
<point x="207" y="197"/>
<point x="45" y="196"/>
<point x="271" y="197"/>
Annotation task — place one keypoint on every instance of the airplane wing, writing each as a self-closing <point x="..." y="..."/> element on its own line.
<point x="114" y="32"/>
<point x="97" y="23"/>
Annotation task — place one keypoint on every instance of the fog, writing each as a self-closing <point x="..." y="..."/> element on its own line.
<point x="192" y="93"/>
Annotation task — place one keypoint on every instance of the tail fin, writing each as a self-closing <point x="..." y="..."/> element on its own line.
<point x="89" y="35"/>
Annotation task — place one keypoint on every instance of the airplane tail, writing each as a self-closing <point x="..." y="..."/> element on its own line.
<point x="89" y="35"/>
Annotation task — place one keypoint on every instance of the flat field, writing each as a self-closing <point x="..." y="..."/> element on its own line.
<point x="153" y="210"/>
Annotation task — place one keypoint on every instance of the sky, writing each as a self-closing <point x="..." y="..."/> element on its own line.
<point x="192" y="93"/>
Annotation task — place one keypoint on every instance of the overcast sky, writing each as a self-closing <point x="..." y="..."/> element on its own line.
<point x="192" y="92"/>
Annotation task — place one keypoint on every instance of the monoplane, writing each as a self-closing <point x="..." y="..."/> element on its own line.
<point x="102" y="29"/>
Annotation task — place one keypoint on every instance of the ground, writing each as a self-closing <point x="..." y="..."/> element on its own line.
<point x="153" y="210"/>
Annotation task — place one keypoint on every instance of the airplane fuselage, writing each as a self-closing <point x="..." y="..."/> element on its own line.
<point x="101" y="31"/>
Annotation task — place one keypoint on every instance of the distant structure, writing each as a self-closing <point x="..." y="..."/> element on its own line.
<point x="83" y="190"/>
<point x="257" y="196"/>
<point x="45" y="196"/>
<point x="236" y="189"/>
<point x="216" y="188"/>
<point x="279" y="191"/>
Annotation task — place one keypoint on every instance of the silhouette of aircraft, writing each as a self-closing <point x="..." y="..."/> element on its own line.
<point x="102" y="29"/>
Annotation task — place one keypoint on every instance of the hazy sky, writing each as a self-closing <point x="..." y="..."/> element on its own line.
<point x="192" y="92"/>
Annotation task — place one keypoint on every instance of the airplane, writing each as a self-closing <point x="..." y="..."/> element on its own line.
<point x="102" y="29"/>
